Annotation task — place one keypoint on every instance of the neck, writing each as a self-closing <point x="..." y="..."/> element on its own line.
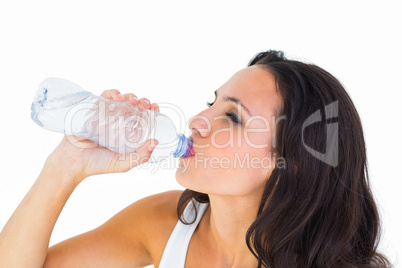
<point x="227" y="222"/>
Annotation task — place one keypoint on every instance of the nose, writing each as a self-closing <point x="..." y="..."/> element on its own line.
<point x="200" y="126"/>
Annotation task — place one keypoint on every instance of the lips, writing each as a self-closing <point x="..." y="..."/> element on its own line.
<point x="191" y="152"/>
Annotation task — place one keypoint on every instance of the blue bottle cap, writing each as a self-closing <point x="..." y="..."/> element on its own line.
<point x="184" y="147"/>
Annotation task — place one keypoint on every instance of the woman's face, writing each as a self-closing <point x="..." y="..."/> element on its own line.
<point x="233" y="138"/>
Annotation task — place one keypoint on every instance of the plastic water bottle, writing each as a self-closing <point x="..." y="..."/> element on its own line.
<point x="63" y="106"/>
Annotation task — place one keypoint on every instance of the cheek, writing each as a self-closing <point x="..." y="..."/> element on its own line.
<point x="255" y="138"/>
<point x="258" y="140"/>
<point x="222" y="138"/>
<point x="257" y="133"/>
<point x="239" y="150"/>
<point x="223" y="181"/>
<point x="226" y="175"/>
<point x="233" y="163"/>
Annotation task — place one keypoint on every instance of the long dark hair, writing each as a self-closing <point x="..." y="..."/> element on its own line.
<point x="319" y="211"/>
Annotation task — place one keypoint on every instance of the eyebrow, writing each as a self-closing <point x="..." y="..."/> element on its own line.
<point x="235" y="100"/>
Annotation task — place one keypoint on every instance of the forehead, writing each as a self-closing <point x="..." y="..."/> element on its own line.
<point x="255" y="88"/>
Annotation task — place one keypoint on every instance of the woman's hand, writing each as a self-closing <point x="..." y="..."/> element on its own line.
<point x="73" y="160"/>
<point x="82" y="158"/>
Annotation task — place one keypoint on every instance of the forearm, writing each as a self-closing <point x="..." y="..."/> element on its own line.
<point x="24" y="240"/>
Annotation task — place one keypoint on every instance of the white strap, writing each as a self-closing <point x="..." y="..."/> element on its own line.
<point x="175" y="251"/>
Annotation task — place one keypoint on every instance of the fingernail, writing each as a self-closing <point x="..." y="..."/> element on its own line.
<point x="146" y="104"/>
<point x="134" y="102"/>
<point x="152" y="145"/>
<point x="154" y="107"/>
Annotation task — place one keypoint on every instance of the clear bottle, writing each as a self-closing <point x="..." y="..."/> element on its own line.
<point x="63" y="106"/>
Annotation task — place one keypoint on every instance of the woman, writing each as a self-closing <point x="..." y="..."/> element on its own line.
<point x="278" y="179"/>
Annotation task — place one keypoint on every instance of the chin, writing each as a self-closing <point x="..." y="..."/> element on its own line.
<point x="185" y="179"/>
<point x="190" y="182"/>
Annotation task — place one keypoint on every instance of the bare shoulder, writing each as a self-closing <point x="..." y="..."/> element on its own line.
<point x="152" y="210"/>
<point x="135" y="237"/>
<point x="158" y="214"/>
<point x="154" y="207"/>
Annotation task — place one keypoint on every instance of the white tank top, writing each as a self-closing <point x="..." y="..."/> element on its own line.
<point x="175" y="251"/>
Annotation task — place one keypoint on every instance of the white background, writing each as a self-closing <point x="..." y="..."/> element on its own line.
<point x="179" y="52"/>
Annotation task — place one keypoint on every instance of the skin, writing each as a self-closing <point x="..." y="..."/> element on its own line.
<point x="135" y="236"/>
<point x="234" y="190"/>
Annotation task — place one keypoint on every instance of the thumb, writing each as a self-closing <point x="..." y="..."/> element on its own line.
<point x="141" y="155"/>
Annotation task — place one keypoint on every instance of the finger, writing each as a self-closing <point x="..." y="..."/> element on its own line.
<point x="131" y="98"/>
<point x="145" y="103"/>
<point x="155" y="107"/>
<point x="112" y="94"/>
<point x="140" y="156"/>
<point x="80" y="142"/>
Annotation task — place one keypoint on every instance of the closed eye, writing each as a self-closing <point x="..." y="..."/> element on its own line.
<point x="234" y="118"/>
